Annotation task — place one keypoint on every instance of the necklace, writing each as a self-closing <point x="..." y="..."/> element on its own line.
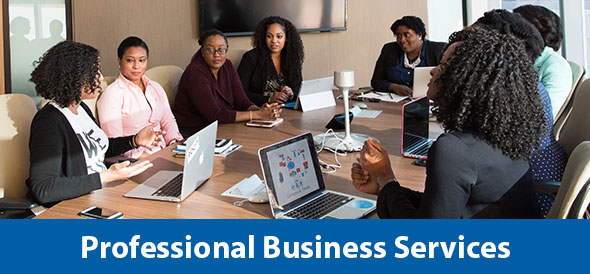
<point x="414" y="64"/>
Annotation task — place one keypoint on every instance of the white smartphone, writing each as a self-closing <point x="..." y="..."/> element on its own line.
<point x="95" y="212"/>
<point x="262" y="123"/>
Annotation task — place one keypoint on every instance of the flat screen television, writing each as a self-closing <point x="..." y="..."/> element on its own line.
<point x="240" y="17"/>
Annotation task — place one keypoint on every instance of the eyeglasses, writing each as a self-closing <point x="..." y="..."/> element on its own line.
<point x="212" y="51"/>
<point x="405" y="35"/>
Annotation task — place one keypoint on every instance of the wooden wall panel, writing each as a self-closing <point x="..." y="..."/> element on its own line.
<point x="171" y="31"/>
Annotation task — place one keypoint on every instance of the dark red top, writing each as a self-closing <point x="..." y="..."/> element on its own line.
<point x="201" y="99"/>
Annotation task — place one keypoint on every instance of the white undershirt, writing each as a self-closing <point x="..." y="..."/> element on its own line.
<point x="93" y="140"/>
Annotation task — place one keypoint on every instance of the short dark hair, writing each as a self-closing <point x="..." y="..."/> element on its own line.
<point x="506" y="22"/>
<point x="65" y="70"/>
<point x="489" y="89"/>
<point x="130" y="42"/>
<point x="211" y="32"/>
<point x="547" y="22"/>
<point x="412" y="22"/>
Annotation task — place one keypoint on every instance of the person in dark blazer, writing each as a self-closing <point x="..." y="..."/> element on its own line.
<point x="479" y="168"/>
<point x="271" y="72"/>
<point x="394" y="70"/>
<point x="67" y="148"/>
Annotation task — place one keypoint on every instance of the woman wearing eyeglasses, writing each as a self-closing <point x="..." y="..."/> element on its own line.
<point x="394" y="71"/>
<point x="271" y="72"/>
<point x="133" y="100"/>
<point x="210" y="90"/>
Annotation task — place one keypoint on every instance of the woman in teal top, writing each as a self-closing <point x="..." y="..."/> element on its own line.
<point x="554" y="71"/>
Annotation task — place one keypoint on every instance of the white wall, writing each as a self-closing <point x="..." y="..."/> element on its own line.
<point x="476" y="8"/>
<point x="444" y="18"/>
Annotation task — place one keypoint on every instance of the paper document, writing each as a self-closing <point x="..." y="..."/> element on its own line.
<point x="245" y="188"/>
<point x="365" y="113"/>
<point x="384" y="96"/>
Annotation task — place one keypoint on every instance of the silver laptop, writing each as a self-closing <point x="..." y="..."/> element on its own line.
<point x="421" y="79"/>
<point x="295" y="185"/>
<point x="175" y="186"/>
<point x="415" y="141"/>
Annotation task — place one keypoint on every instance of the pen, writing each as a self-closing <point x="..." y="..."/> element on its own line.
<point x="390" y="96"/>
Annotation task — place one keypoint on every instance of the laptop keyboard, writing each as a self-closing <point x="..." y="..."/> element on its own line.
<point x="418" y="146"/>
<point x="170" y="189"/>
<point x="319" y="206"/>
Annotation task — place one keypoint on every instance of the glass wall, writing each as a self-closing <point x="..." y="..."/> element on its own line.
<point x="35" y="26"/>
<point x="553" y="5"/>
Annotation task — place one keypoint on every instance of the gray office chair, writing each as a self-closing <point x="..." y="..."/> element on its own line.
<point x="573" y="196"/>
<point x="578" y="74"/>
<point x="168" y="77"/>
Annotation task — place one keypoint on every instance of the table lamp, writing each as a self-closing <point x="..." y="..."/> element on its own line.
<point x="343" y="80"/>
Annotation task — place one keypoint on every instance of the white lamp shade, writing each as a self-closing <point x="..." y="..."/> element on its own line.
<point x="344" y="78"/>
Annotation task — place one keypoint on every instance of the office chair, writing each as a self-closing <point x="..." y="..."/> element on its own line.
<point x="578" y="74"/>
<point x="168" y="77"/>
<point x="573" y="196"/>
<point x="108" y="80"/>
<point x="16" y="113"/>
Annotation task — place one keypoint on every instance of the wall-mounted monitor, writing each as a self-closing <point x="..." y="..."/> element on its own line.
<point x="240" y="17"/>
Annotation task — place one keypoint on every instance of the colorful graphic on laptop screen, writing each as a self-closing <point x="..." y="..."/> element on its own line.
<point x="293" y="172"/>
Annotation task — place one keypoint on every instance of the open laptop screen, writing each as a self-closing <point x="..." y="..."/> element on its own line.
<point x="290" y="166"/>
<point x="415" y="126"/>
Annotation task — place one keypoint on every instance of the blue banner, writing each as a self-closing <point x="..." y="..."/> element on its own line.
<point x="289" y="246"/>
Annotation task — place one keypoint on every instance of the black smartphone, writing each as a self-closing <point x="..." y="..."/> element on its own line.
<point x="95" y="212"/>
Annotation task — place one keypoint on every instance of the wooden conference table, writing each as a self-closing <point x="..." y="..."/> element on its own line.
<point x="207" y="203"/>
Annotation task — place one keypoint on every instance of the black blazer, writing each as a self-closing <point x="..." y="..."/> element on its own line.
<point x="254" y="72"/>
<point x="58" y="168"/>
<point x="390" y="55"/>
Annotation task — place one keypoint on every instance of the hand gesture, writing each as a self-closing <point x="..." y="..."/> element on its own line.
<point x="278" y="97"/>
<point x="269" y="112"/>
<point x="401" y="90"/>
<point x="362" y="180"/>
<point x="148" y="137"/>
<point x="123" y="171"/>
<point x="288" y="92"/>
<point x="375" y="160"/>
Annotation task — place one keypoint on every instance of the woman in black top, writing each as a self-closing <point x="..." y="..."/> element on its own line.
<point x="67" y="148"/>
<point x="479" y="168"/>
<point x="271" y="72"/>
<point x="394" y="70"/>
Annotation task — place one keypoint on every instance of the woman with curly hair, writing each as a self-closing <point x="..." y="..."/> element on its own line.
<point x="134" y="101"/>
<point x="479" y="167"/>
<point x="554" y="71"/>
<point x="67" y="148"/>
<point x="394" y="70"/>
<point x="271" y="72"/>
<point x="549" y="160"/>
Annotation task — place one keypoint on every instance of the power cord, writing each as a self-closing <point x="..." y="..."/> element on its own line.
<point x="331" y="168"/>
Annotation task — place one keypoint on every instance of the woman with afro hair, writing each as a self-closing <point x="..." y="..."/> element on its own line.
<point x="479" y="168"/>
<point x="67" y="148"/>
<point x="271" y="72"/>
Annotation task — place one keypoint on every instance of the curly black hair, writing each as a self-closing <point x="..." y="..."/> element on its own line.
<point x="489" y="88"/>
<point x="506" y="22"/>
<point x="130" y="42"/>
<point x="65" y="71"/>
<point x="292" y="54"/>
<point x="412" y="22"/>
<point x="547" y="22"/>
